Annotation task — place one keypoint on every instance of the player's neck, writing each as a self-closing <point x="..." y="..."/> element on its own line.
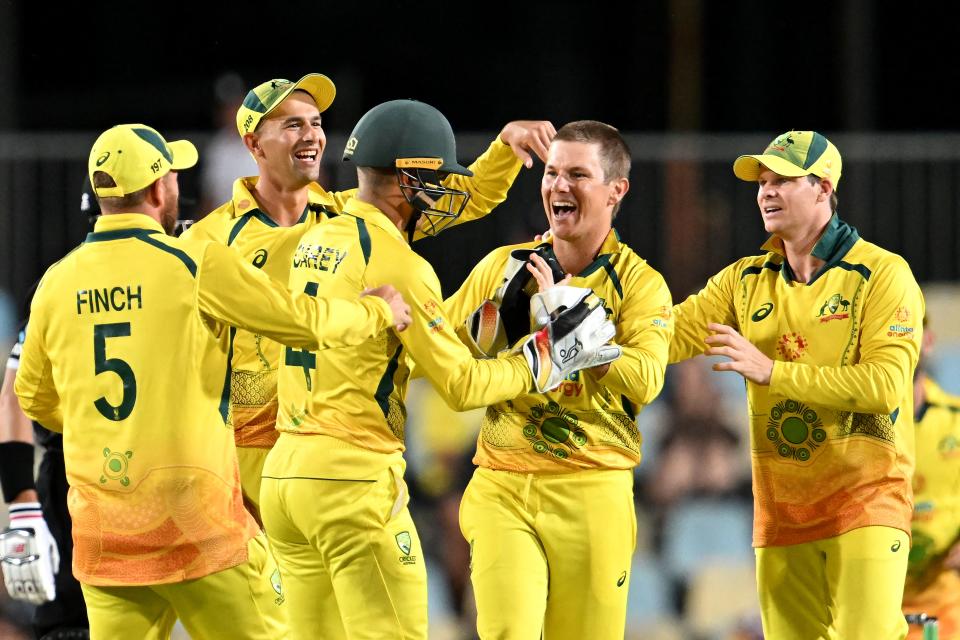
<point x="577" y="254"/>
<point x="389" y="204"/>
<point x="798" y="248"/>
<point x="283" y="206"/>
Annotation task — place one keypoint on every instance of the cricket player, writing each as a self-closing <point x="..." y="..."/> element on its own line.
<point x="280" y="123"/>
<point x="825" y="328"/>
<point x="127" y="353"/>
<point x="333" y="498"/>
<point x="933" y="584"/>
<point x="549" y="513"/>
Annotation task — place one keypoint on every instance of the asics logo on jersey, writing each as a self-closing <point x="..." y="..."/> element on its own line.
<point x="569" y="354"/>
<point x="895" y="546"/>
<point x="260" y="258"/>
<point x="762" y="312"/>
<point x="622" y="579"/>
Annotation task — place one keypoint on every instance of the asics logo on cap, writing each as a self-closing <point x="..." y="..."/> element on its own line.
<point x="103" y="159"/>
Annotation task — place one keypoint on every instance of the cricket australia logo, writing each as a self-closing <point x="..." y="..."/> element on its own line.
<point x="277" y="585"/>
<point x="405" y="543"/>
<point x="795" y="430"/>
<point x="835" y="308"/>
<point x="553" y="430"/>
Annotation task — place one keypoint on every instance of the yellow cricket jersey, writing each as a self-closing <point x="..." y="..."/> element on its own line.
<point x="585" y="423"/>
<point x="241" y="224"/>
<point x="832" y="435"/>
<point x="127" y="353"/>
<point x="936" y="486"/>
<point x="356" y="395"/>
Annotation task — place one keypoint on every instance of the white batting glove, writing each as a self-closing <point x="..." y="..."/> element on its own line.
<point x="574" y="338"/>
<point x="29" y="555"/>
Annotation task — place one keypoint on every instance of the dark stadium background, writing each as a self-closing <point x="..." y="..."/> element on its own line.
<point x="682" y="66"/>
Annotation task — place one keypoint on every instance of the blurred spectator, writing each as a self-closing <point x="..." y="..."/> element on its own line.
<point x="224" y="158"/>
<point x="699" y="453"/>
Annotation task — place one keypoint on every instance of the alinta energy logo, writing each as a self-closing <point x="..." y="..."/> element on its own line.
<point x="835" y="308"/>
<point x="553" y="430"/>
<point x="901" y="324"/>
<point x="795" y="430"/>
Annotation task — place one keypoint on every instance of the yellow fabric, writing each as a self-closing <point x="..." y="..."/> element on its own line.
<point x="847" y="587"/>
<point x="550" y="552"/>
<point x="832" y="435"/>
<point x="585" y="423"/>
<point x="241" y="224"/>
<point x="250" y="461"/>
<point x="357" y="394"/>
<point x="127" y="354"/>
<point x="932" y="588"/>
<point x="348" y="551"/>
<point x="245" y="601"/>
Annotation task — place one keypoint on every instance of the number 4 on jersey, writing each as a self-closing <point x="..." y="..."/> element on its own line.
<point x="300" y="357"/>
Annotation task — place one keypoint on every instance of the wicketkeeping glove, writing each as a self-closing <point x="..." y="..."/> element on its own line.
<point x="29" y="555"/>
<point x="576" y="338"/>
<point x="518" y="287"/>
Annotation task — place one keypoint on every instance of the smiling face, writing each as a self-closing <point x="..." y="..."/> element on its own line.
<point x="577" y="199"/>
<point x="289" y="143"/>
<point x="790" y="206"/>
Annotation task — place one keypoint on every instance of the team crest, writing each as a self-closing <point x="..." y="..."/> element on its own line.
<point x="405" y="544"/>
<point x="277" y="585"/>
<point x="835" y="308"/>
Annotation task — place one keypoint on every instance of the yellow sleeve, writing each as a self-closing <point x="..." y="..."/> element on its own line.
<point x="212" y="227"/>
<point x="644" y="332"/>
<point x="236" y="293"/>
<point x="463" y="382"/>
<point x="493" y="175"/>
<point x="34" y="384"/>
<point x="713" y="303"/>
<point x="878" y="382"/>
<point x="340" y="198"/>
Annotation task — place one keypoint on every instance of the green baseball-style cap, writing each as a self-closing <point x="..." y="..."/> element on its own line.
<point x="264" y="98"/>
<point x="793" y="154"/>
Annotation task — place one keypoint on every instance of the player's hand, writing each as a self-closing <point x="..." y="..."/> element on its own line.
<point x="399" y="306"/>
<point x="525" y="136"/>
<point x="29" y="555"/>
<point x="745" y="358"/>
<point x="543" y="274"/>
<point x="543" y="237"/>
<point x="575" y="338"/>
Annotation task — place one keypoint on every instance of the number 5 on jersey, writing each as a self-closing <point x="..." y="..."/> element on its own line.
<point x="103" y="364"/>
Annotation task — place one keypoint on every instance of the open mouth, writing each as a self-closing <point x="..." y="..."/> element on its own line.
<point x="771" y="210"/>
<point x="306" y="155"/>
<point x="563" y="209"/>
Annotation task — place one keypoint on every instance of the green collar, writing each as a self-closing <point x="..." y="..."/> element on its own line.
<point x="833" y="245"/>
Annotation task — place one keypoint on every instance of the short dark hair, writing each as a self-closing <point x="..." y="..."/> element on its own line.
<point x="614" y="153"/>
<point x="103" y="180"/>
<point x="834" y="200"/>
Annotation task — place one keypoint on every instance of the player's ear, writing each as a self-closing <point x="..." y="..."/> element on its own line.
<point x="252" y="142"/>
<point x="620" y="186"/>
